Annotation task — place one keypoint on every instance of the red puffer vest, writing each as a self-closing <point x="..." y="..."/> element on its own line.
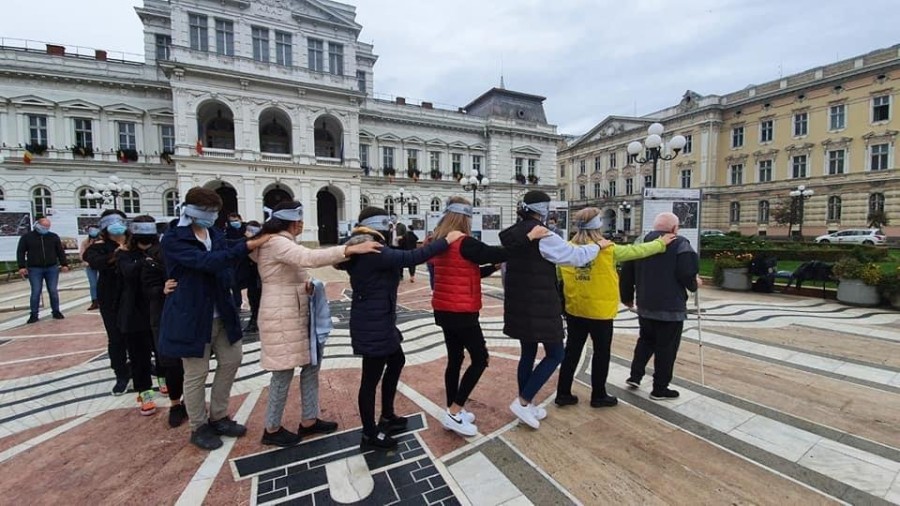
<point x="457" y="282"/>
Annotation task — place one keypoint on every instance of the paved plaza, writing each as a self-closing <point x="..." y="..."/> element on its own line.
<point x="798" y="403"/>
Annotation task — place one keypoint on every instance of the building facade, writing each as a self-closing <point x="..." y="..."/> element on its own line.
<point x="831" y="129"/>
<point x="262" y="101"/>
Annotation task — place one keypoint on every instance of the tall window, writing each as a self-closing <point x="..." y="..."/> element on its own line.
<point x="562" y="194"/>
<point x="260" y="43"/>
<point x="737" y="174"/>
<point x="648" y="181"/>
<point x="596" y="164"/>
<point x="387" y="157"/>
<point x="762" y="215"/>
<point x="686" y="178"/>
<point x="688" y="144"/>
<point x="41" y="200"/>
<point x="765" y="171"/>
<point x="224" y="37"/>
<point x="612" y="189"/>
<point x="412" y="159"/>
<point x="434" y="159"/>
<point x="834" y="208"/>
<point x="364" y="155"/>
<point x="389" y="205"/>
<point x="131" y="202"/>
<point x="836" y="159"/>
<point x="435" y="204"/>
<point x="581" y="192"/>
<point x="127" y="136"/>
<point x="878" y="154"/>
<point x="84" y="133"/>
<point x="167" y="136"/>
<point x="83" y="201"/>
<point x="476" y="163"/>
<point x="876" y="203"/>
<point x="520" y="166"/>
<point x="737" y="137"/>
<point x="284" y="49"/>
<point x="456" y="163"/>
<point x="881" y="108"/>
<point x="562" y="170"/>
<point x="363" y="201"/>
<point x="837" y="117"/>
<point x="412" y="207"/>
<point x="336" y="58"/>
<point x="801" y="124"/>
<point x="598" y="191"/>
<point x="37" y="129"/>
<point x="163" y="47"/>
<point x="629" y="186"/>
<point x="170" y="202"/>
<point x="766" y="130"/>
<point x="581" y="167"/>
<point x="199" y="32"/>
<point x="734" y="212"/>
<point x="532" y="167"/>
<point x="798" y="166"/>
<point x="361" y="80"/>
<point x="612" y="160"/>
<point x="316" y="54"/>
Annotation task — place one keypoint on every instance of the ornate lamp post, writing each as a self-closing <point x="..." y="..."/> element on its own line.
<point x="655" y="148"/>
<point x="402" y="199"/>
<point x="475" y="183"/>
<point x="799" y="196"/>
<point x="109" y="192"/>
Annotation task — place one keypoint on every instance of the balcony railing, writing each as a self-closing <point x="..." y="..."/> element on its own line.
<point x="275" y="157"/>
<point x="218" y="153"/>
<point x="322" y="160"/>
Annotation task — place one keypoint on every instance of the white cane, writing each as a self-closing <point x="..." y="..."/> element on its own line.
<point x="699" y="335"/>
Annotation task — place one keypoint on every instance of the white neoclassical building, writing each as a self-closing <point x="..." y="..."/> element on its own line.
<point x="262" y="101"/>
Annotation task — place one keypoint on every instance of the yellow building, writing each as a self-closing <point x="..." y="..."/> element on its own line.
<point x="831" y="129"/>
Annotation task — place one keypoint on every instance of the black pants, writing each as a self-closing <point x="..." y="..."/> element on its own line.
<point x="170" y="368"/>
<point x="254" y="294"/>
<point x="140" y="349"/>
<point x="470" y="339"/>
<point x="661" y="340"/>
<point x="412" y="271"/>
<point x="116" y="347"/>
<point x="237" y="296"/>
<point x="373" y="368"/>
<point x="578" y="330"/>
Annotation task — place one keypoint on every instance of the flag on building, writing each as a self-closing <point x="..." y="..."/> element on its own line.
<point x="27" y="157"/>
<point x="199" y="147"/>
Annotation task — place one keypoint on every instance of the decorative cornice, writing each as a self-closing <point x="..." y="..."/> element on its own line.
<point x="887" y="134"/>
<point x="806" y="146"/>
<point x="736" y="158"/>
<point x="768" y="153"/>
<point x="838" y="142"/>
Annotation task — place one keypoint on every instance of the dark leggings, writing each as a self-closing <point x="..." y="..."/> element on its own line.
<point x="601" y="332"/>
<point x="470" y="339"/>
<point x="373" y="368"/>
<point x="254" y="294"/>
<point x="170" y="368"/>
<point x="116" y="348"/>
<point x="140" y="349"/>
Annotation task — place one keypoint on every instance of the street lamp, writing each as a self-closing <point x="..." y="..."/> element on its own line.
<point x="109" y="192"/>
<point x="656" y="149"/>
<point x="625" y="207"/>
<point x="799" y="196"/>
<point x="402" y="200"/>
<point x="475" y="183"/>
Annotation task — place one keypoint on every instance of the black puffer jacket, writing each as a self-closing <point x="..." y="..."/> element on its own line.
<point x="101" y="256"/>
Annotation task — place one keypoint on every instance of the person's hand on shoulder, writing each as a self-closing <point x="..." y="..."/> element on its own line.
<point x="668" y="238"/>
<point x="256" y="242"/>
<point x="363" y="248"/>
<point x="539" y="232"/>
<point x="454" y="236"/>
<point x="605" y="243"/>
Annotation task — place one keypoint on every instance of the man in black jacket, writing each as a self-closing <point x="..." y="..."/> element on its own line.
<point x="662" y="282"/>
<point x="40" y="255"/>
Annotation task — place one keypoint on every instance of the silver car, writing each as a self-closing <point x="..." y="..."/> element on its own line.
<point x="870" y="236"/>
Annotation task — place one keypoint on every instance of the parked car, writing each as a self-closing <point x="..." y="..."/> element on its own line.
<point x="870" y="236"/>
<point x="711" y="233"/>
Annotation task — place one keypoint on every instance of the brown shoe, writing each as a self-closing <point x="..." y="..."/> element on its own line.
<point x="93" y="306"/>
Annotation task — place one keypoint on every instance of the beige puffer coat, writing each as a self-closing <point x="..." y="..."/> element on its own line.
<point x="284" y="307"/>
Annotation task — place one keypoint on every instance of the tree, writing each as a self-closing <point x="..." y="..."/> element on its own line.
<point x="782" y="212"/>
<point x="877" y="219"/>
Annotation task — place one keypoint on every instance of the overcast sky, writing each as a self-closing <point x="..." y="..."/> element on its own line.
<point x="590" y="58"/>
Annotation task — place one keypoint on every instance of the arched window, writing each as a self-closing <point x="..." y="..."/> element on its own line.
<point x="363" y="202"/>
<point x="477" y="203"/>
<point x="389" y="205"/>
<point x="436" y="204"/>
<point x="735" y="213"/>
<point x="876" y="203"/>
<point x="834" y="208"/>
<point x="131" y="202"/>
<point x="763" y="213"/>
<point x="170" y="202"/>
<point x="215" y="125"/>
<point x="412" y="206"/>
<point x="274" y="132"/>
<point x="41" y="200"/>
<point x="83" y="201"/>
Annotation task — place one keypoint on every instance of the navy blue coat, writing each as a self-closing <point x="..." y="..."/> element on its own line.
<point x="204" y="279"/>
<point x="374" y="278"/>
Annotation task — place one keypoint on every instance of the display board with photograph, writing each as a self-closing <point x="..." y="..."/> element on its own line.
<point x="486" y="224"/>
<point x="684" y="203"/>
<point x="15" y="221"/>
<point x="559" y="217"/>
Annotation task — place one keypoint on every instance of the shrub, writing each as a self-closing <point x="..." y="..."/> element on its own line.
<point x="729" y="260"/>
<point x="808" y="252"/>
<point x="890" y="284"/>
<point x="852" y="268"/>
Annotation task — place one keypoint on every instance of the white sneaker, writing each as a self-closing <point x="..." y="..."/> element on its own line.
<point x="459" y="425"/>
<point x="467" y="415"/>
<point x="539" y="412"/>
<point x="525" y="414"/>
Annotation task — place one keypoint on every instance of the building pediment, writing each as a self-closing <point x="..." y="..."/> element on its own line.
<point x="526" y="150"/>
<point x="805" y="146"/>
<point x="388" y="138"/>
<point x="765" y="153"/>
<point x="315" y="12"/>
<point x="478" y="147"/>
<point x="437" y="143"/>
<point x="838" y="141"/>
<point x="686" y="164"/>
<point x="31" y="100"/>
<point x="739" y="158"/>
<point x="162" y="113"/>
<point x="413" y="140"/>
<point x="611" y="127"/>
<point x="877" y="136"/>
<point x="83" y="105"/>
<point x="366" y="135"/>
<point x="123" y="109"/>
<point x="458" y="145"/>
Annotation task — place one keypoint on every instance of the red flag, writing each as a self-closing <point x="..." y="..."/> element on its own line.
<point x="199" y="147"/>
<point x="27" y="157"/>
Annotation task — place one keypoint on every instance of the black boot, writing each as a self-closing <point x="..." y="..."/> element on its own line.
<point x="380" y="441"/>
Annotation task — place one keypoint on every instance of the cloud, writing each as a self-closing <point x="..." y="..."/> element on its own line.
<point x="590" y="58"/>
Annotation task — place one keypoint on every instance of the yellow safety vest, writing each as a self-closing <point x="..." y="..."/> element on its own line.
<point x="592" y="291"/>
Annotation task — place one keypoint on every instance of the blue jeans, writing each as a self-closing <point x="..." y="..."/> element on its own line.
<point x="49" y="275"/>
<point x="92" y="282"/>
<point x="532" y="378"/>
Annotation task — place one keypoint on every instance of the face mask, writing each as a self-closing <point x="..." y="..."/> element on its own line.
<point x="93" y="233"/>
<point x="235" y="224"/>
<point x="253" y="230"/>
<point x="203" y="223"/>
<point x="40" y="229"/>
<point x="117" y="229"/>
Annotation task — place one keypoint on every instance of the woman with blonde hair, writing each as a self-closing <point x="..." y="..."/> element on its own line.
<point x="592" y="301"/>
<point x="456" y="300"/>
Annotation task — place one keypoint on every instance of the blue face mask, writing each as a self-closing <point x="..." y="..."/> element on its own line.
<point x="203" y="223"/>
<point x="253" y="230"/>
<point x="235" y="224"/>
<point x="40" y="229"/>
<point x="93" y="233"/>
<point x="117" y="229"/>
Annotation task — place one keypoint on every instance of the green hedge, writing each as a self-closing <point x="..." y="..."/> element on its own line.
<point x="830" y="253"/>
